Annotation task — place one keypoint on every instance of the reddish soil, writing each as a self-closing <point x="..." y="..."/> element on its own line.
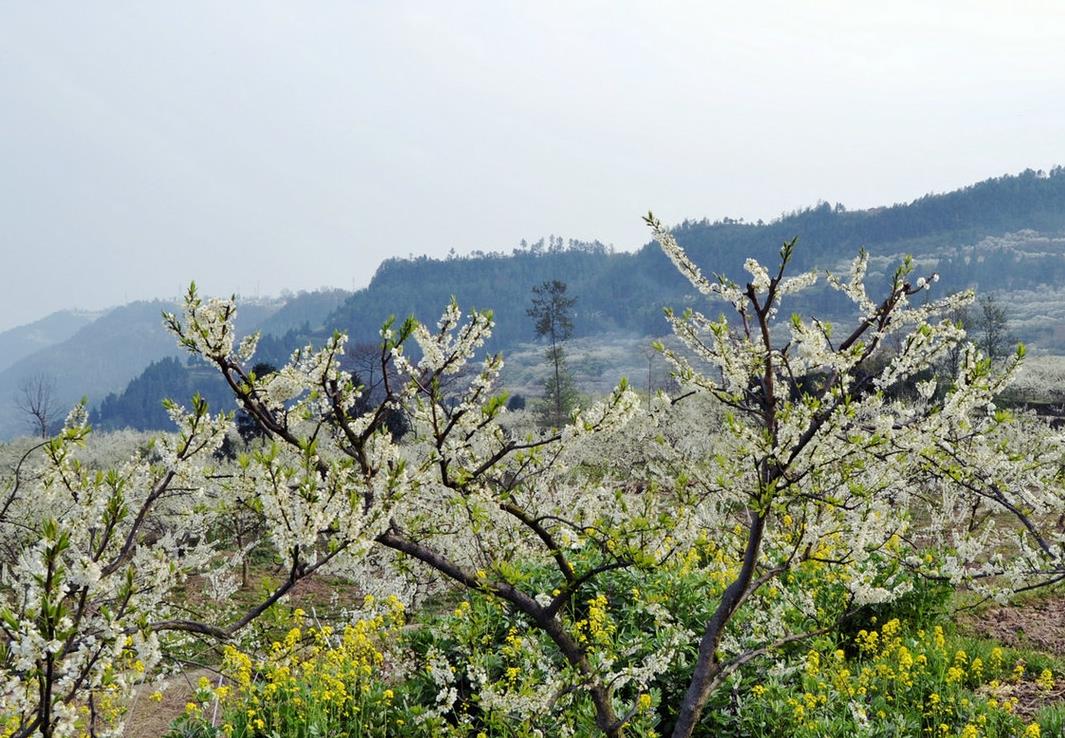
<point x="1039" y="625"/>
<point x="1031" y="698"/>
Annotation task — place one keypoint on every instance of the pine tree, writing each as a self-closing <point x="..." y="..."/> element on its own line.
<point x="551" y="311"/>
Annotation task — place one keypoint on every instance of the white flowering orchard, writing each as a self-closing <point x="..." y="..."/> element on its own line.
<point x="822" y="485"/>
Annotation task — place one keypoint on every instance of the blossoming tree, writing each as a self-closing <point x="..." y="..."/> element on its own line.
<point x="820" y="491"/>
<point x="821" y="465"/>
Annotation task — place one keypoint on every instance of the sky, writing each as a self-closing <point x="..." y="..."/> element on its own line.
<point x="262" y="146"/>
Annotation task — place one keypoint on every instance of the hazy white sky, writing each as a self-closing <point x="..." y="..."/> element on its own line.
<point x="256" y="146"/>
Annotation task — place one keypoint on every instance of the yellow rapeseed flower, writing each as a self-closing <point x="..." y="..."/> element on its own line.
<point x="813" y="663"/>
<point x="996" y="658"/>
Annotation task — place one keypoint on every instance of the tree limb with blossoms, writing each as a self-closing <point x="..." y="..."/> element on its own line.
<point x="460" y="495"/>
<point x="100" y="553"/>
<point x="821" y="463"/>
<point x="103" y="553"/>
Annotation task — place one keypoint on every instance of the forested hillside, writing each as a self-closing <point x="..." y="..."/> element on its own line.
<point x="303" y="311"/>
<point x="622" y="291"/>
<point x="139" y="406"/>
<point x="1004" y="233"/>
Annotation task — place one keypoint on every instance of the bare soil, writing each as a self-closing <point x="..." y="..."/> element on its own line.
<point x="1031" y="698"/>
<point x="148" y="719"/>
<point x="1039" y="624"/>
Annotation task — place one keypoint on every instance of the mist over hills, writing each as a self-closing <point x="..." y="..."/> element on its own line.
<point x="24" y="340"/>
<point x="1005" y="234"/>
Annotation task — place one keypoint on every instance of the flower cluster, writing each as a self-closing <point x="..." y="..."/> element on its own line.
<point x="896" y="680"/>
<point x="310" y="681"/>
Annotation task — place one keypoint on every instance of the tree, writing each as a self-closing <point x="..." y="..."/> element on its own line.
<point x="814" y="462"/>
<point x="88" y="606"/>
<point x="835" y="490"/>
<point x="328" y="496"/>
<point x="992" y="328"/>
<point x="87" y="602"/>
<point x="551" y="313"/>
<point x="961" y="317"/>
<point x="840" y="472"/>
<point x="36" y="400"/>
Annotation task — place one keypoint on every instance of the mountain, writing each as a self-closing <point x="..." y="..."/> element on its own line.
<point x="304" y="310"/>
<point x="1005" y="234"/>
<point x="138" y="404"/>
<point x="953" y="232"/>
<point x="102" y="357"/>
<point x="17" y="343"/>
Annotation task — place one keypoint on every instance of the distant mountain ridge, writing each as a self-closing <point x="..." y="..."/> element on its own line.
<point x="627" y="291"/>
<point x="172" y="375"/>
<point x="21" y="341"/>
<point x="102" y="356"/>
<point x="1003" y="233"/>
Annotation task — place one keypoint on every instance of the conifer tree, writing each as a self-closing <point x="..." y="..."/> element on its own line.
<point x="551" y="311"/>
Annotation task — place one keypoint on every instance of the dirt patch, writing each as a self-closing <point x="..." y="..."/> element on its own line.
<point x="149" y="719"/>
<point x="1031" y="698"/>
<point x="1039" y="624"/>
<point x="318" y="591"/>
